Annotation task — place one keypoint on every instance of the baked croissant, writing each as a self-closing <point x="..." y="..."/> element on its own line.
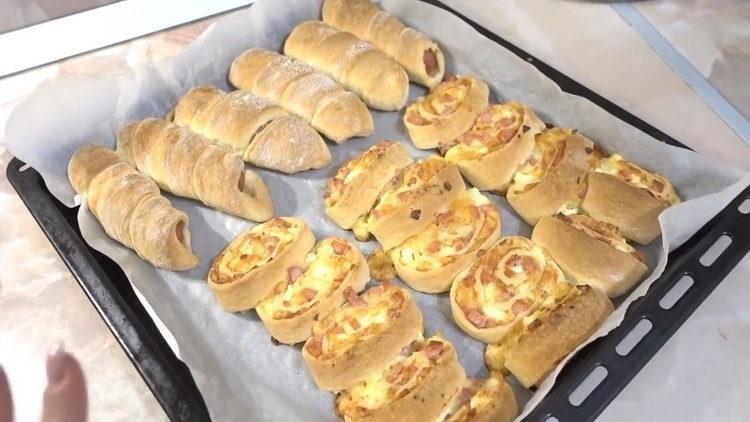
<point x="415" y="52"/>
<point x="131" y="209"/>
<point x="355" y="64"/>
<point x="187" y="164"/>
<point x="262" y="133"/>
<point x="319" y="100"/>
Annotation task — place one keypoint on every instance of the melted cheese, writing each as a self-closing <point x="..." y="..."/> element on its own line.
<point x="599" y="230"/>
<point x="536" y="167"/>
<point x="443" y="99"/>
<point x="494" y="128"/>
<point x="484" y="393"/>
<point x="257" y="247"/>
<point x="656" y="184"/>
<point x="350" y="171"/>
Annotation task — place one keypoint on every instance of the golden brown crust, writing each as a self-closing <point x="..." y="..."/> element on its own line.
<point x="490" y="400"/>
<point x="588" y="260"/>
<point x="547" y="342"/>
<point x="357" y="65"/>
<point x="238" y="289"/>
<point x="415" y="52"/>
<point x="429" y="126"/>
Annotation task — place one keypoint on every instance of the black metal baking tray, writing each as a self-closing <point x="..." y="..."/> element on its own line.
<point x="171" y="383"/>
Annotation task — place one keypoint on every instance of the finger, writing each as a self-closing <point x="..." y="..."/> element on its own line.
<point x="65" y="397"/>
<point x="6" y="401"/>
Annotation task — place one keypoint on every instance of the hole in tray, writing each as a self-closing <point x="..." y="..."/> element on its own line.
<point x="588" y="385"/>
<point x="744" y="206"/>
<point x="628" y="343"/>
<point x="676" y="292"/>
<point x="551" y="419"/>
<point x="715" y="251"/>
<point x="24" y="167"/>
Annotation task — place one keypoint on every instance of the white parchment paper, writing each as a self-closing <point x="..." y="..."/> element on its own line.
<point x="240" y="373"/>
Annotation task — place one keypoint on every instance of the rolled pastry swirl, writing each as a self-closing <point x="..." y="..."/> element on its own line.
<point x="319" y="100"/>
<point x="358" y="340"/>
<point x="335" y="266"/>
<point x="413" y="387"/>
<point x="355" y="64"/>
<point x="256" y="263"/>
<point x="262" y="133"/>
<point x="498" y="144"/>
<point x="131" y="209"/>
<point x="431" y="259"/>
<point x="488" y="400"/>
<point x="510" y="280"/>
<point x="187" y="164"/>
<point x="414" y="51"/>
<point x="446" y="112"/>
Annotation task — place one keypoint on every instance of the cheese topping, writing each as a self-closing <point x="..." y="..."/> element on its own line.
<point x="460" y="229"/>
<point x="352" y="170"/>
<point x="549" y="147"/>
<point x="365" y="316"/>
<point x="494" y="128"/>
<point x="402" y="375"/>
<point x="257" y="247"/>
<point x="509" y="281"/>
<point x="326" y="268"/>
<point x="472" y="399"/>
<point x="443" y="100"/>
<point x="655" y="183"/>
<point x="600" y="230"/>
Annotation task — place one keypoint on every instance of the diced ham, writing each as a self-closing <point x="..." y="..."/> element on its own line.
<point x="354" y="299"/>
<point x="434" y="350"/>
<point x="403" y="196"/>
<point x="416" y="119"/>
<point x="314" y="346"/>
<point x="271" y="243"/>
<point x="488" y="208"/>
<point x="477" y="318"/>
<point x="394" y="372"/>
<point x="507" y="134"/>
<point x="414" y="346"/>
<point x="308" y="293"/>
<point x="485" y="117"/>
<point x="376" y="213"/>
<point x="506" y="120"/>
<point x="354" y="323"/>
<point x="340" y="248"/>
<point x="487" y="277"/>
<point x="460" y="243"/>
<point x="474" y="211"/>
<point x="295" y="273"/>
<point x="465" y="395"/>
<point x="444" y="216"/>
<point x="434" y="246"/>
<point x="520" y="306"/>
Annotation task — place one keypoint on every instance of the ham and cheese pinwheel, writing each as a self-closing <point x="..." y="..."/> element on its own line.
<point x="446" y="112"/>
<point x="591" y="252"/>
<point x="501" y="140"/>
<point x="414" y="387"/>
<point x="314" y="290"/>
<point x="553" y="179"/>
<point x="356" y="341"/>
<point x="355" y="187"/>
<point x="509" y="281"/>
<point x="409" y="203"/>
<point x="490" y="400"/>
<point x="629" y="197"/>
<point x="533" y="348"/>
<point x="257" y="261"/>
<point x="430" y="260"/>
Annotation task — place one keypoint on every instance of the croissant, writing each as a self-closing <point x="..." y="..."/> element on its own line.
<point x="355" y="64"/>
<point x="415" y="52"/>
<point x="253" y="127"/>
<point x="319" y="100"/>
<point x="130" y="208"/>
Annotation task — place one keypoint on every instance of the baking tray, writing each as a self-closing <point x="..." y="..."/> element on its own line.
<point x="170" y="380"/>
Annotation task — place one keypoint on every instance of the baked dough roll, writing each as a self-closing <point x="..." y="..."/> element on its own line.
<point x="498" y="144"/>
<point x="431" y="259"/>
<point x="357" y="65"/>
<point x="258" y="262"/>
<point x="414" y="51"/>
<point x="131" y="209"/>
<point x="187" y="164"/>
<point x="335" y="266"/>
<point x="409" y="204"/>
<point x="316" y="98"/>
<point x="446" y="112"/>
<point x="631" y="198"/>
<point x="591" y="252"/>
<point x="352" y="191"/>
<point x="262" y="133"/>
<point x="553" y="179"/>
<point x="489" y="400"/>
<point x="358" y="340"/>
<point x="542" y="340"/>
<point x="415" y="386"/>
<point x="509" y="281"/>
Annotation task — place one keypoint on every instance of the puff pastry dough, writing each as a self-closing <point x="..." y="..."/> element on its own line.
<point x="355" y="187"/>
<point x="415" y="52"/>
<point x="256" y="263"/>
<point x="335" y="266"/>
<point x="446" y="112"/>
<point x="488" y="400"/>
<point x="431" y="259"/>
<point x="131" y="209"/>
<point x="262" y="133"/>
<point x="355" y="64"/>
<point x="319" y="100"/>
<point x="186" y="164"/>
<point x="498" y="144"/>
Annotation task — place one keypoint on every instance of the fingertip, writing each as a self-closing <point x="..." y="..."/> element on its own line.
<point x="6" y="401"/>
<point x="65" y="396"/>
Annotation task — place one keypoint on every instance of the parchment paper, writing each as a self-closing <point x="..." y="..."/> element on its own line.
<point x="240" y="373"/>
